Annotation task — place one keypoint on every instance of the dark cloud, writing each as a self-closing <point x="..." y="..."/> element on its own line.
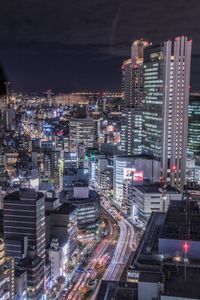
<point x="46" y="42"/>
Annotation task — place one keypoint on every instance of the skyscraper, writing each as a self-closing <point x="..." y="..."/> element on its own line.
<point x="132" y="76"/>
<point x="165" y="118"/>
<point x="153" y="101"/>
<point x="133" y="99"/>
<point x="131" y="131"/>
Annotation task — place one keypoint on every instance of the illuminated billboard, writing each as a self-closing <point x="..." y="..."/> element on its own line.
<point x="133" y="175"/>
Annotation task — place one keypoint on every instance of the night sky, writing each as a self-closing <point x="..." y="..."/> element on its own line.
<point x="76" y="45"/>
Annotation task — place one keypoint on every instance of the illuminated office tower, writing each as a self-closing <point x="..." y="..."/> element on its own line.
<point x="131" y="131"/>
<point x="133" y="99"/>
<point x="24" y="223"/>
<point x="165" y="118"/>
<point x="126" y="83"/>
<point x="194" y="125"/>
<point x="132" y="76"/>
<point x="81" y="131"/>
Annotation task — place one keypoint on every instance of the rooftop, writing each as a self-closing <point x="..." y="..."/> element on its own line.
<point x="117" y="290"/>
<point x="148" y="244"/>
<point x="25" y="193"/>
<point x="50" y="199"/>
<point x="93" y="196"/>
<point x="64" y="209"/>
<point x="165" y="268"/>
<point x="176" y="285"/>
<point x="181" y="221"/>
<point x="156" y="188"/>
<point x="29" y="262"/>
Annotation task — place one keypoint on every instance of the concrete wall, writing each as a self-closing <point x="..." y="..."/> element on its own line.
<point x="148" y="290"/>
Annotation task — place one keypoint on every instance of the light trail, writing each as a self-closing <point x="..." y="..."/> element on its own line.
<point x="100" y="251"/>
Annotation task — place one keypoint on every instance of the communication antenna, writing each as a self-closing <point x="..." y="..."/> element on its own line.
<point x="7" y="84"/>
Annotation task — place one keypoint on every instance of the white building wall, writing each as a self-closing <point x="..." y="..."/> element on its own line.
<point x="55" y="257"/>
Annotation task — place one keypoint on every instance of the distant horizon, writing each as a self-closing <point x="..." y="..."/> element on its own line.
<point x="81" y="45"/>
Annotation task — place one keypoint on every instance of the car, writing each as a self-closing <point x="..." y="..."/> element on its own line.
<point x="80" y="270"/>
<point x="89" y="270"/>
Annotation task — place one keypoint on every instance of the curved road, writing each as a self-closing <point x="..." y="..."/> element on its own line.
<point x="124" y="249"/>
<point x="101" y="249"/>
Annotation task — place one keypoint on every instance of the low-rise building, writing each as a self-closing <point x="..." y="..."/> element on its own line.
<point x="106" y="181"/>
<point x="59" y="257"/>
<point x="166" y="261"/>
<point x="61" y="224"/>
<point x="34" y="266"/>
<point x="6" y="274"/>
<point x="151" y="197"/>
<point x="88" y="206"/>
<point x="20" y="284"/>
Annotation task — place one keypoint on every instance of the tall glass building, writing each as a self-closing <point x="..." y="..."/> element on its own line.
<point x="194" y="125"/>
<point x="153" y="101"/>
<point x="133" y="99"/>
<point x="165" y="117"/>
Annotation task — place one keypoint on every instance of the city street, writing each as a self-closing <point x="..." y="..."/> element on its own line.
<point x="125" y="246"/>
<point x="105" y="248"/>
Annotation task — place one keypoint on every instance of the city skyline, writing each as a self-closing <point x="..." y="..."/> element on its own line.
<point x="68" y="47"/>
<point x="99" y="150"/>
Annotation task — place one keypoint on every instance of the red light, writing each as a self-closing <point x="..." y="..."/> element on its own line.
<point x="185" y="247"/>
<point x="173" y="168"/>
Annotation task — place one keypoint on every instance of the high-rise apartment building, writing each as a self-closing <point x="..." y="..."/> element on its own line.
<point x="165" y="118"/>
<point x="24" y="223"/>
<point x="194" y="125"/>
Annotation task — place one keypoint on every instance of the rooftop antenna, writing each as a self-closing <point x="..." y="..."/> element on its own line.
<point x="7" y="84"/>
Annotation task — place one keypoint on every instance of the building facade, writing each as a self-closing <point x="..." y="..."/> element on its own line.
<point x="133" y="99"/>
<point x="24" y="223"/>
<point x="7" y="287"/>
<point x="165" y="117"/>
<point x="132" y="168"/>
<point x="194" y="125"/>
<point x="81" y="131"/>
